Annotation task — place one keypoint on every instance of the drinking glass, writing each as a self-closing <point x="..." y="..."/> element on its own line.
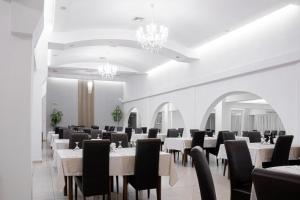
<point x="76" y="147"/>
<point x="120" y="145"/>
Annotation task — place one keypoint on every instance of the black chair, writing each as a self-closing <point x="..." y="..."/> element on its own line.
<point x="172" y="132"/>
<point x="119" y="128"/>
<point x="117" y="137"/>
<point x="192" y="131"/>
<point x="144" y="129"/>
<point x="281" y="133"/>
<point x="245" y="133"/>
<point x="111" y="128"/>
<point x="56" y="129"/>
<point x="180" y="131"/>
<point x="240" y="169"/>
<point x="106" y="128"/>
<point x="275" y="185"/>
<point x="281" y="152"/>
<point x="61" y="132"/>
<point x="128" y="131"/>
<point x="215" y="150"/>
<point x="87" y="130"/>
<point x="106" y="135"/>
<point x="205" y="180"/>
<point x="209" y="133"/>
<point x="95" y="178"/>
<point x="198" y="140"/>
<point x="274" y="133"/>
<point x="94" y="127"/>
<point x="152" y="133"/>
<point x="138" y="131"/>
<point x="146" y="169"/>
<point x="254" y="137"/>
<point x="227" y="136"/>
<point x="95" y="133"/>
<point x="67" y="133"/>
<point x="77" y="137"/>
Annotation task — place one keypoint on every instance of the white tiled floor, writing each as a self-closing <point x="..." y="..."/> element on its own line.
<point x="44" y="188"/>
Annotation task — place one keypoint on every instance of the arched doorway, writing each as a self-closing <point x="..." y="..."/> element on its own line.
<point x="241" y="111"/>
<point x="134" y="119"/>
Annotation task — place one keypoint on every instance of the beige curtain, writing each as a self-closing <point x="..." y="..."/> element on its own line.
<point x="85" y="104"/>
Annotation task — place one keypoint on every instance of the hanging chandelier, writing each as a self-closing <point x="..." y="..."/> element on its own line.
<point x="107" y="70"/>
<point x="152" y="37"/>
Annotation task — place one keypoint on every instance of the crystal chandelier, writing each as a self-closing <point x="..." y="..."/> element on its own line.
<point x="107" y="70"/>
<point x="152" y="37"/>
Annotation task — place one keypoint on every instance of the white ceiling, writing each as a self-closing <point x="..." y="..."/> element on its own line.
<point x="190" y="22"/>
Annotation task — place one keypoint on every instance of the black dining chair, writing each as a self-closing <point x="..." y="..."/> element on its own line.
<point x="180" y="131"/>
<point x="128" y="131"/>
<point x="281" y="152"/>
<point x="111" y="128"/>
<point x="106" y="135"/>
<point x="94" y="127"/>
<point x="198" y="140"/>
<point x="61" y="132"/>
<point x="67" y="133"/>
<point x="119" y="128"/>
<point x="254" y="137"/>
<point x="172" y="132"/>
<point x="240" y="169"/>
<point x="95" y="133"/>
<point x="117" y="137"/>
<point x="56" y="129"/>
<point x="245" y="133"/>
<point x="227" y="136"/>
<point x="77" y="137"/>
<point x="95" y="179"/>
<point x="192" y="131"/>
<point x="205" y="180"/>
<point x="153" y="133"/>
<point x="87" y="130"/>
<point x="209" y="133"/>
<point x="146" y="168"/>
<point x="138" y="130"/>
<point x="281" y="133"/>
<point x="215" y="150"/>
<point x="275" y="185"/>
<point x="106" y="128"/>
<point x="274" y="133"/>
<point x="144" y="129"/>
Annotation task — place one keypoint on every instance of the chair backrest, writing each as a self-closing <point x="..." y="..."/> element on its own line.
<point x="94" y="127"/>
<point x="128" y="131"/>
<point x="235" y="133"/>
<point x="106" y="135"/>
<point x="281" y="133"/>
<point x="152" y="133"/>
<point x="56" y="129"/>
<point x="87" y="130"/>
<point x="274" y="133"/>
<point x="192" y="131"/>
<point x="267" y="133"/>
<point x="239" y="162"/>
<point x="138" y="131"/>
<point x="95" y="167"/>
<point x="120" y="128"/>
<point x="205" y="180"/>
<point x="117" y="137"/>
<point x="95" y="133"/>
<point x="61" y="132"/>
<point x="172" y="132"/>
<point x="198" y="139"/>
<point x="147" y="163"/>
<point x="275" y="185"/>
<point x="281" y="151"/>
<point x="180" y="131"/>
<point x="111" y="128"/>
<point x="220" y="140"/>
<point x="245" y="133"/>
<point x="106" y="128"/>
<point x="67" y="133"/>
<point x="77" y="137"/>
<point x="254" y="137"/>
<point x="144" y="129"/>
<point x="228" y="136"/>
<point x="209" y="133"/>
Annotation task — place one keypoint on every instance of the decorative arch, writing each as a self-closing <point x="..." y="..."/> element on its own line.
<point x="138" y="117"/>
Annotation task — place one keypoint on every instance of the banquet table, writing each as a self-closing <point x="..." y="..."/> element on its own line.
<point x="135" y="136"/>
<point x="261" y="152"/>
<point x="121" y="163"/>
<point x="186" y="142"/>
<point x="295" y="169"/>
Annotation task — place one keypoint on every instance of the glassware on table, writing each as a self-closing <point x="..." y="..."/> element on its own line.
<point x="76" y="147"/>
<point x="120" y="145"/>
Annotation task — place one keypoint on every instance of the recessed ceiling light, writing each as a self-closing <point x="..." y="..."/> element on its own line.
<point x="102" y="58"/>
<point x="138" y="19"/>
<point x="63" y="8"/>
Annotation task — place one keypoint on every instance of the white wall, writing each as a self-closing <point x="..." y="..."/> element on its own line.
<point x="107" y="97"/>
<point x="262" y="58"/>
<point x="15" y="85"/>
<point x="62" y="94"/>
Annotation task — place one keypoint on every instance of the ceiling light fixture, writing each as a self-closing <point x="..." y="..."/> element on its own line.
<point x="152" y="37"/>
<point x="107" y="70"/>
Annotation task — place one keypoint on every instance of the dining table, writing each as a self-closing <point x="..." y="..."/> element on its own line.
<point x="294" y="169"/>
<point x="261" y="152"/>
<point x="121" y="163"/>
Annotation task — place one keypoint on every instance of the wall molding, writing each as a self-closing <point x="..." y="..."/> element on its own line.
<point x="284" y="60"/>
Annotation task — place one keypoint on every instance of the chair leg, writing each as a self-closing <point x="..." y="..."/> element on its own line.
<point x="217" y="161"/>
<point x="117" y="182"/>
<point x="225" y="165"/>
<point x="76" y="190"/>
<point x="136" y="194"/>
<point x="207" y="156"/>
<point x="148" y="193"/>
<point x="158" y="189"/>
<point x="109" y="189"/>
<point x="103" y="196"/>
<point x="125" y="188"/>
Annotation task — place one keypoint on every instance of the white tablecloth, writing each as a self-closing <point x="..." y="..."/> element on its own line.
<point x="53" y="137"/>
<point x="69" y="163"/>
<point x="135" y="137"/>
<point x="182" y="143"/>
<point x="261" y="152"/>
<point x="287" y="169"/>
<point x="60" y="144"/>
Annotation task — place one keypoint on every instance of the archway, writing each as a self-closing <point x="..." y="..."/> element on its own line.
<point x="167" y="116"/>
<point x="134" y="119"/>
<point x="241" y="111"/>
